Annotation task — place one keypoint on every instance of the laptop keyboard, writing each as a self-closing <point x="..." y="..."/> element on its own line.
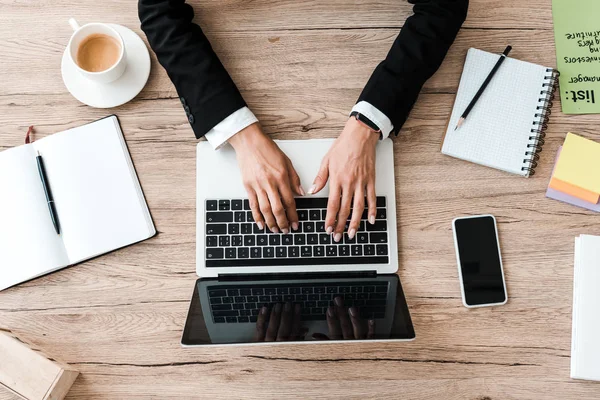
<point x="241" y="303"/>
<point x="234" y="240"/>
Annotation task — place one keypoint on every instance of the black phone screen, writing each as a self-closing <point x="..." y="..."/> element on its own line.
<point x="480" y="262"/>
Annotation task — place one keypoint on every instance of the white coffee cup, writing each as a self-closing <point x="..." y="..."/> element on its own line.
<point x="80" y="33"/>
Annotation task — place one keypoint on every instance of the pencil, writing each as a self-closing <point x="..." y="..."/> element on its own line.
<point x="463" y="117"/>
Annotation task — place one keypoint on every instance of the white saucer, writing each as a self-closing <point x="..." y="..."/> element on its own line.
<point x="113" y="94"/>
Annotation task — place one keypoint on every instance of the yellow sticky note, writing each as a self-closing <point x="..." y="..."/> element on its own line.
<point x="579" y="163"/>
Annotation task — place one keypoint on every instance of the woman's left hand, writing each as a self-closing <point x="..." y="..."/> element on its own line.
<point x="350" y="167"/>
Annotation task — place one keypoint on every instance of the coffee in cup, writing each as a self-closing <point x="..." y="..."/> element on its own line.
<point x="98" y="52"/>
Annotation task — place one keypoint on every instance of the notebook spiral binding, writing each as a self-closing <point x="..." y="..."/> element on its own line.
<point x="542" y="116"/>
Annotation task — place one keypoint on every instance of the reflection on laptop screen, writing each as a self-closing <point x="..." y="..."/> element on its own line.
<point x="277" y="309"/>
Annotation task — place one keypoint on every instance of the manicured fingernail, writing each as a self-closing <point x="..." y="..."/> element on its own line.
<point x="351" y="233"/>
<point x="330" y="311"/>
<point x="274" y="230"/>
<point x="329" y="230"/>
<point x="312" y="189"/>
<point x="371" y="322"/>
<point x="297" y="309"/>
<point x="277" y="307"/>
<point x="338" y="301"/>
<point x="287" y="307"/>
<point x="337" y="237"/>
<point x="371" y="219"/>
<point x="285" y="231"/>
<point x="264" y="310"/>
<point x="260" y="225"/>
<point x="301" y="191"/>
<point x="353" y="311"/>
<point x="295" y="226"/>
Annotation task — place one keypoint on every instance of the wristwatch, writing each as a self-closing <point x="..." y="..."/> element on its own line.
<point x="361" y="118"/>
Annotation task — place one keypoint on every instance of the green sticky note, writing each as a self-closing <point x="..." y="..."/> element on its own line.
<point x="577" y="36"/>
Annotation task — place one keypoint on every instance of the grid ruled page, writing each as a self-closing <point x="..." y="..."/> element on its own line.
<point x="496" y="132"/>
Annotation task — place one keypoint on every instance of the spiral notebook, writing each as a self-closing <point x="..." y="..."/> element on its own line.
<point x="505" y="129"/>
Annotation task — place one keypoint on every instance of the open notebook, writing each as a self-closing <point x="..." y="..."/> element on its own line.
<point x="505" y="129"/>
<point x="98" y="198"/>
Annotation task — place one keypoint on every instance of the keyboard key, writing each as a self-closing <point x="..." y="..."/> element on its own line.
<point x="347" y="240"/>
<point x="378" y="237"/>
<point x="246" y="292"/>
<point x="369" y="289"/>
<point x="255" y="252"/>
<point x="230" y="252"/>
<point x="211" y="241"/>
<point x="216" y="229"/>
<point x="380" y="202"/>
<point x="217" y="293"/>
<point x="294" y="290"/>
<point x="302" y="215"/>
<point x="319" y="289"/>
<point x="310" y="304"/>
<point x="281" y="252"/>
<point x="262" y="240"/>
<point x="344" y="289"/>
<point x="231" y="319"/>
<point x="301" y="297"/>
<point x="294" y="251"/>
<point x="256" y="229"/>
<point x="249" y="241"/>
<point x="381" y="288"/>
<point x="227" y="300"/>
<point x="362" y="237"/>
<point x="243" y="318"/>
<point x="246" y="229"/>
<point x="249" y="216"/>
<point x="313" y="296"/>
<point x="361" y="226"/>
<point x="282" y="290"/>
<point x="320" y="226"/>
<point x="287" y="240"/>
<point x="236" y="204"/>
<point x="322" y="303"/>
<point x="215" y="300"/>
<point x="308" y="227"/>
<point x="324" y="238"/>
<point x="253" y="298"/>
<point x="369" y="249"/>
<point x="214" y="253"/>
<point x="269" y="252"/>
<point x="332" y="289"/>
<point x="274" y="240"/>
<point x="306" y="251"/>
<point x="314" y="215"/>
<point x="233" y="229"/>
<point x="324" y="214"/>
<point x="362" y="296"/>
<point x="356" y="250"/>
<point x="239" y="216"/>
<point x="381" y="213"/>
<point x="374" y="296"/>
<point x="319" y="251"/>
<point x="300" y="239"/>
<point x="288" y="297"/>
<point x="224" y="241"/>
<point x="312" y="238"/>
<point x="243" y="252"/>
<point x="344" y="250"/>
<point x="264" y="299"/>
<point x="331" y="251"/>
<point x="251" y="306"/>
<point x="219" y="320"/>
<point x="246" y="204"/>
<point x="311" y="202"/>
<point x="237" y="241"/>
<point x="382" y="250"/>
<point x="356" y="289"/>
<point x="238" y="306"/>
<point x="307" y="290"/>
<point x="270" y="291"/>
<point x="258" y="292"/>
<point x="378" y="226"/>
<point x="276" y="298"/>
<point x="230" y="313"/>
<point x="211" y="205"/>
<point x="224" y="205"/>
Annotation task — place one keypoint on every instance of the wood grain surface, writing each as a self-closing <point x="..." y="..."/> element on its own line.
<point x="301" y="65"/>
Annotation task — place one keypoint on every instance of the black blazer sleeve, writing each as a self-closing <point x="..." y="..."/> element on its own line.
<point x="416" y="54"/>
<point x="206" y="90"/>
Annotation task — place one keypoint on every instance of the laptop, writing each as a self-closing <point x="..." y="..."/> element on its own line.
<point x="256" y="286"/>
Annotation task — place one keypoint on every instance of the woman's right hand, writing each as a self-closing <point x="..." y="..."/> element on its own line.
<point x="269" y="178"/>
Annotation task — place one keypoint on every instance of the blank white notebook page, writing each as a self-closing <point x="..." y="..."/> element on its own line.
<point x="99" y="202"/>
<point x="585" y="342"/>
<point x="497" y="130"/>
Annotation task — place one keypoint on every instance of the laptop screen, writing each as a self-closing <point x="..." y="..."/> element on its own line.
<point x="297" y="310"/>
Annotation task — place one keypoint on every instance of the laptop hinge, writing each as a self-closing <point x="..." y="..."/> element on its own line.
<point x="297" y="275"/>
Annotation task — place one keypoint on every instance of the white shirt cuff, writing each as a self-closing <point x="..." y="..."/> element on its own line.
<point x="224" y="130"/>
<point x="378" y="118"/>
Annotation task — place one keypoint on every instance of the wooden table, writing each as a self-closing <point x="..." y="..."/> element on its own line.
<point x="301" y="66"/>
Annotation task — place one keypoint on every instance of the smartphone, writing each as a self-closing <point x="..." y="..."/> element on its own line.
<point x="479" y="261"/>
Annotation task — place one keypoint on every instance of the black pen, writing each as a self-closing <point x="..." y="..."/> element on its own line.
<point x="48" y="192"/>
<point x="463" y="117"/>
